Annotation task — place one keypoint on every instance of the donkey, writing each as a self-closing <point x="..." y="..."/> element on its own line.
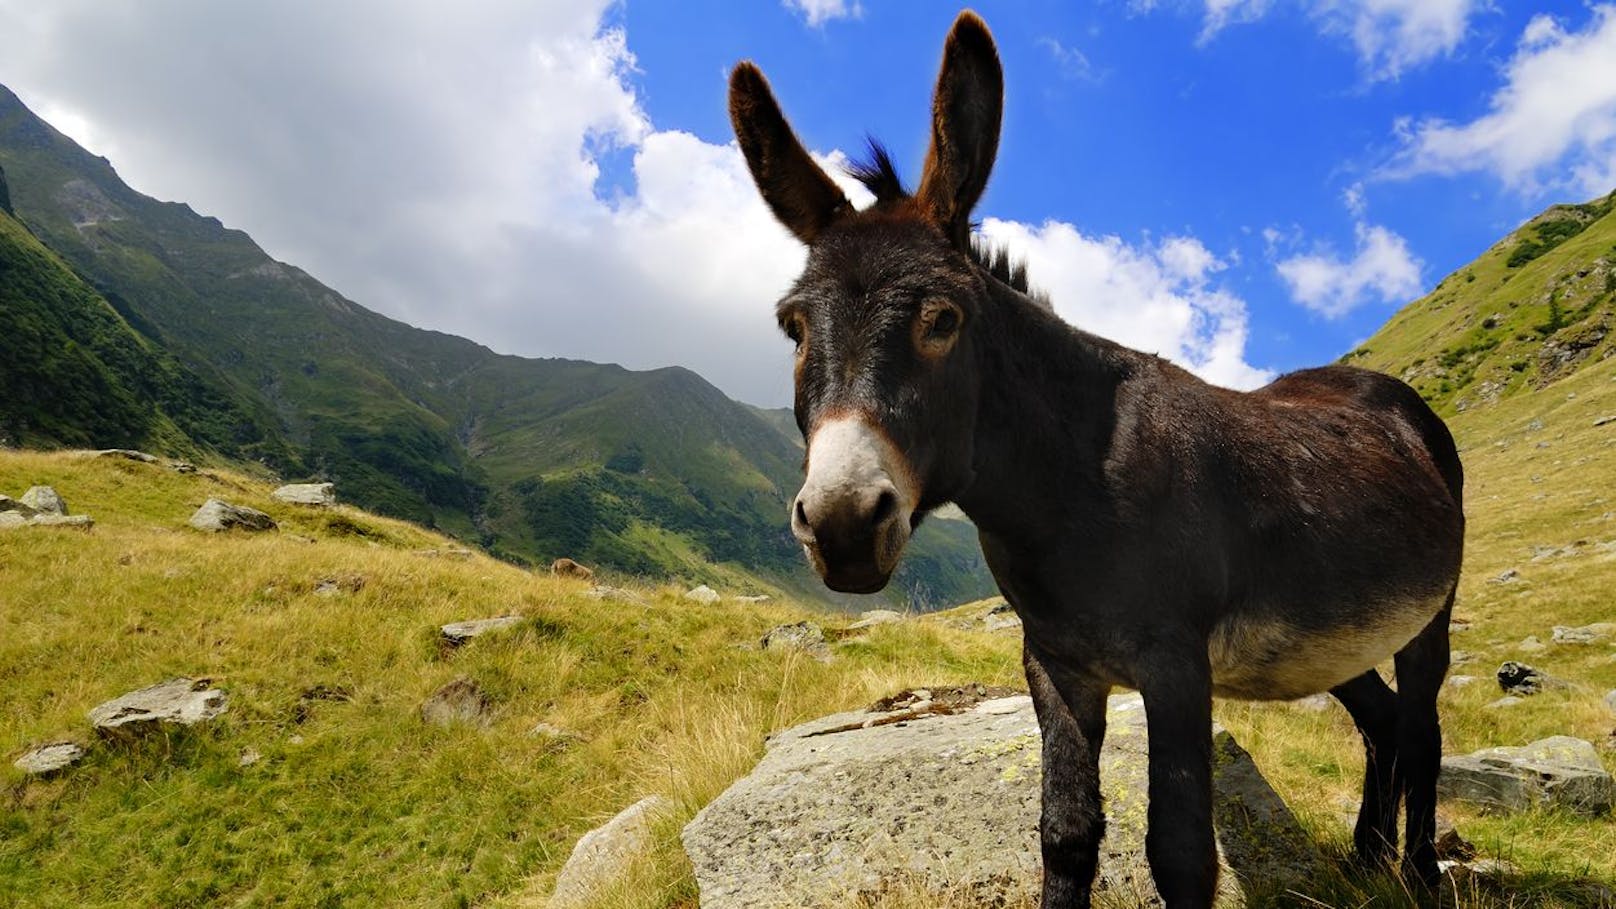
<point x="1151" y="530"/>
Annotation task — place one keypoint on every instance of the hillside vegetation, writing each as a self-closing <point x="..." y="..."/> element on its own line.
<point x="654" y="473"/>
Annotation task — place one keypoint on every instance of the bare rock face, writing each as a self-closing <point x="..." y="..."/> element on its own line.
<point x="862" y="802"/>
<point x="601" y="854"/>
<point x="44" y="500"/>
<point x="217" y="515"/>
<point x="702" y="594"/>
<point x="49" y="759"/>
<point x="1597" y="633"/>
<point x="176" y="702"/>
<point x="8" y="505"/>
<point x="1559" y="771"/>
<point x="319" y="495"/>
<point x="460" y="701"/>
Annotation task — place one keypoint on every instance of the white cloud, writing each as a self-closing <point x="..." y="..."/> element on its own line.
<point x="1390" y="36"/>
<point x="1073" y="63"/>
<point x="1550" y="126"/>
<point x="1158" y="299"/>
<point x="1382" y="269"/>
<point x="818" y="12"/>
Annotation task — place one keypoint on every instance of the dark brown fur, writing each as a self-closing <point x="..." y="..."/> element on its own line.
<point x="1151" y="530"/>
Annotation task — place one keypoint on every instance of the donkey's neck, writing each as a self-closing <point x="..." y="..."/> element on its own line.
<point x="1045" y="419"/>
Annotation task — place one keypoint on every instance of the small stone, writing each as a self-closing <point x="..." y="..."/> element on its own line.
<point x="999" y="622"/>
<point x="1531" y="645"/>
<point x="804" y="636"/>
<point x="217" y="515"/>
<point x="319" y="495"/>
<point x="702" y="594"/>
<point x="457" y="633"/>
<point x="176" y="702"/>
<point x="1596" y="633"/>
<point x="460" y="701"/>
<point x="1460" y="657"/>
<point x="874" y="617"/>
<point x="752" y="598"/>
<point x="44" y="500"/>
<point x="48" y="759"/>
<point x="1460" y="681"/>
<point x="339" y="584"/>
<point x="1521" y="679"/>
<point x="1507" y="576"/>
<point x="249" y="757"/>
<point x="1604" y="421"/>
<point x="1458" y="625"/>
<point x="602" y="854"/>
<point x="553" y="733"/>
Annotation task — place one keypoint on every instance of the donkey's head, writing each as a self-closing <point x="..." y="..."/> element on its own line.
<point x="882" y="315"/>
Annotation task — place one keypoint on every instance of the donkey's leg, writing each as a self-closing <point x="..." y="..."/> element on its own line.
<point x="1183" y="853"/>
<point x="1373" y="706"/>
<point x="1071" y="715"/>
<point x="1421" y="667"/>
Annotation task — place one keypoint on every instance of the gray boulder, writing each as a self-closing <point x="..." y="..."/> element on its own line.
<point x="44" y="500"/>
<point x="457" y="633"/>
<point x="1556" y="772"/>
<point x="321" y="495"/>
<point x="804" y="636"/>
<point x="601" y="855"/>
<point x="874" y="617"/>
<point x="702" y="594"/>
<point x="1520" y="679"/>
<point x="176" y="702"/>
<point x="1596" y="633"/>
<point x="863" y="802"/>
<point x="48" y="759"/>
<point x="217" y="515"/>
<point x="460" y="701"/>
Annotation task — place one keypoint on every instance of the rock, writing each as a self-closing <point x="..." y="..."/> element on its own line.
<point x="12" y="519"/>
<point x="567" y="568"/>
<point x="347" y="582"/>
<point x="322" y="495"/>
<point x="1596" y="633"/>
<point x="176" y="702"/>
<point x="804" y="636"/>
<point x="702" y="594"/>
<point x="1530" y="644"/>
<point x="217" y="515"/>
<point x="1610" y="700"/>
<point x="1460" y="657"/>
<point x="125" y="453"/>
<point x="556" y="733"/>
<point x="874" y="617"/>
<point x="78" y="521"/>
<point x="1461" y="681"/>
<point x="852" y="805"/>
<point x="452" y="552"/>
<point x="182" y="466"/>
<point x="752" y="598"/>
<point x="1459" y="625"/>
<point x="10" y="505"/>
<point x="994" y="622"/>
<point x="460" y="701"/>
<point x="1556" y="772"/>
<point x="1508" y="700"/>
<point x="457" y="633"/>
<point x="48" y="759"/>
<point x="605" y="592"/>
<point x="1521" y="679"/>
<point x="601" y="855"/>
<point x="1604" y="421"/>
<point x="1315" y="703"/>
<point x="44" y="500"/>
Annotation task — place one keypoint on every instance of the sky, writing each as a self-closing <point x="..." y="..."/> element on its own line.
<point x="1244" y="186"/>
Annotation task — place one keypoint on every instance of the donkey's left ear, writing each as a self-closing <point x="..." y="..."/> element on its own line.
<point x="965" y="117"/>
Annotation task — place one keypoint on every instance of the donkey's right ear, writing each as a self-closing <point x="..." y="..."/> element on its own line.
<point x="799" y="193"/>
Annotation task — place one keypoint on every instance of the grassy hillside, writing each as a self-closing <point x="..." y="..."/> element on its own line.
<point x="649" y="473"/>
<point x="1529" y="312"/>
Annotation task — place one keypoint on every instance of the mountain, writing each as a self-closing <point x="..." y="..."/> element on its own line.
<point x="653" y="473"/>
<point x="1528" y="313"/>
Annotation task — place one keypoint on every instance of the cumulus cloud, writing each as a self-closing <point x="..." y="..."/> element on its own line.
<point x="453" y="178"/>
<point x="1158" y="298"/>
<point x="818" y="12"/>
<point x="1382" y="269"/>
<point x="1390" y="36"/>
<point x="1551" y="125"/>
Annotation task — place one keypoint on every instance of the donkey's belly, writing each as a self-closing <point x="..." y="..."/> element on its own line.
<point x="1261" y="658"/>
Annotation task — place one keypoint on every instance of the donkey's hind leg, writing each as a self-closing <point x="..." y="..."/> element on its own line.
<point x="1373" y="706"/>
<point x="1421" y="667"/>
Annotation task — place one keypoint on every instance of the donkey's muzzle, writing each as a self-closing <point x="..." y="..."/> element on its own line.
<point x="852" y="516"/>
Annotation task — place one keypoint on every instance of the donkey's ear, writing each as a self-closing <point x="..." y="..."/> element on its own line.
<point x="965" y="119"/>
<point x="799" y="193"/>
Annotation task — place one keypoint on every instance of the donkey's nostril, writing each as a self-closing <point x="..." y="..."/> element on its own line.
<point x="800" y="514"/>
<point x="885" y="506"/>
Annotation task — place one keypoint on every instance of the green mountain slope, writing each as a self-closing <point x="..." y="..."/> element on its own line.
<point x="653" y="473"/>
<point x="1532" y="310"/>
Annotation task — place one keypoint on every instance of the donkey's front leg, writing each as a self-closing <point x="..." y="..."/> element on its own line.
<point x="1071" y="716"/>
<point x="1177" y="688"/>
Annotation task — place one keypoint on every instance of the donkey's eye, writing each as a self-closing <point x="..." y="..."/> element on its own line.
<point x="945" y="322"/>
<point x="792" y="325"/>
<point x="937" y="328"/>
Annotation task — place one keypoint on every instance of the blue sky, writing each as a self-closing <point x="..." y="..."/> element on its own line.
<point x="1247" y="186"/>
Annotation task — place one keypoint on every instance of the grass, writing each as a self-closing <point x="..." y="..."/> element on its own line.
<point x="357" y="802"/>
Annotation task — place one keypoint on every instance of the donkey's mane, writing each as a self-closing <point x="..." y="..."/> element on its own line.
<point x="880" y="176"/>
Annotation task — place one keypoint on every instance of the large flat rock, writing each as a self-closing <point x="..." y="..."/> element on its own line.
<point x="176" y="702"/>
<point x="1556" y="772"/>
<point x="859" y="803"/>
